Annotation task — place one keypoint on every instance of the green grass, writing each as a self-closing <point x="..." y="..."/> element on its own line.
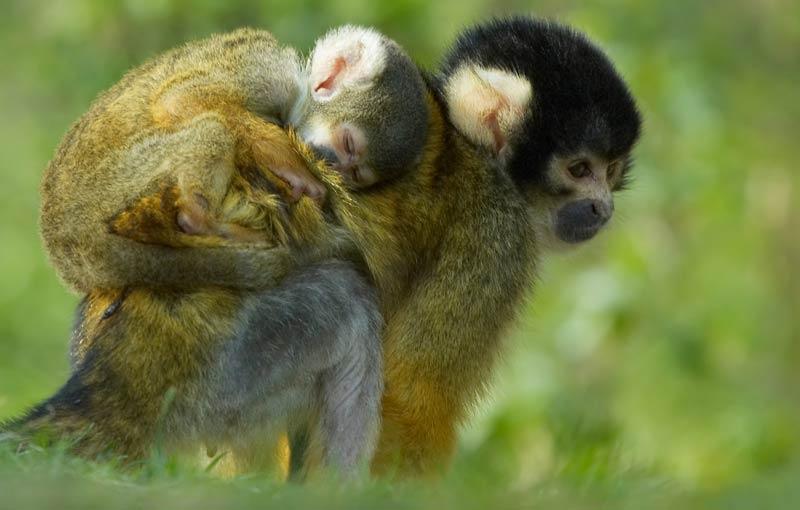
<point x="51" y="478"/>
<point x="162" y="482"/>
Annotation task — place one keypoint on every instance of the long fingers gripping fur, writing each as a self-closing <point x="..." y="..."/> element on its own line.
<point x="258" y="140"/>
<point x="274" y="153"/>
<point x="192" y="171"/>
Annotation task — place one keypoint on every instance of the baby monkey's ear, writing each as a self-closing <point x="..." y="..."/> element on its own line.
<point x="346" y="57"/>
<point x="487" y="105"/>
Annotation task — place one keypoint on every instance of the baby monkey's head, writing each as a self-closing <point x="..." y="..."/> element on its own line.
<point x="366" y="112"/>
<point x="549" y="106"/>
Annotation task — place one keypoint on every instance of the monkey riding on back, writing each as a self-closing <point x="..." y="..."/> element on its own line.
<point x="530" y="132"/>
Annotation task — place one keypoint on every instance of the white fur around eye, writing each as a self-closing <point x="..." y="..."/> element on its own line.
<point x="317" y="133"/>
<point x="354" y="55"/>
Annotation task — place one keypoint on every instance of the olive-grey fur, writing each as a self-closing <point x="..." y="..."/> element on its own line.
<point x="304" y="356"/>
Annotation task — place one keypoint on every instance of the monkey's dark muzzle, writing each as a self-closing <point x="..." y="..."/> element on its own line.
<point x="581" y="220"/>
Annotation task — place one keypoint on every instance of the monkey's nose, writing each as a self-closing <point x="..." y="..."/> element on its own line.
<point x="601" y="210"/>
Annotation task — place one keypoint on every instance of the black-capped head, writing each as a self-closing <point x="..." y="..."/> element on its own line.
<point x="549" y="105"/>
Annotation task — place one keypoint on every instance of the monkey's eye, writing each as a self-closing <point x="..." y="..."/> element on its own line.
<point x="349" y="144"/>
<point x="579" y="169"/>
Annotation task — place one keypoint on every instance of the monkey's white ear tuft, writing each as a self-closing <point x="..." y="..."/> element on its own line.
<point x="487" y="105"/>
<point x="348" y="56"/>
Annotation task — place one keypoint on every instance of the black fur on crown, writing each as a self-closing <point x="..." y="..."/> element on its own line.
<point x="579" y="99"/>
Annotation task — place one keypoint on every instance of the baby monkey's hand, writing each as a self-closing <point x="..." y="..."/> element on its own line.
<point x="273" y="153"/>
<point x="301" y="182"/>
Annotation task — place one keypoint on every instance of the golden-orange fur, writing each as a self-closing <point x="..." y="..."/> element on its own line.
<point x="450" y="244"/>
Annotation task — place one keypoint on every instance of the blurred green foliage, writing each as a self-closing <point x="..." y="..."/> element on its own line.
<point x="669" y="348"/>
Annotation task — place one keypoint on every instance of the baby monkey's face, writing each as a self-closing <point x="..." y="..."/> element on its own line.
<point x="350" y="145"/>
<point x="344" y="147"/>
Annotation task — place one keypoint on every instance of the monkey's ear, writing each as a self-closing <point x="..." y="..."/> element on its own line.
<point x="346" y="57"/>
<point x="487" y="105"/>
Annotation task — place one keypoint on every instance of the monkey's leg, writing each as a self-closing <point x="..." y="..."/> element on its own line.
<point x="350" y="395"/>
<point x="316" y="337"/>
<point x="95" y="413"/>
<point x="418" y="437"/>
<point x="346" y="421"/>
<point x="436" y="366"/>
<point x="136" y="371"/>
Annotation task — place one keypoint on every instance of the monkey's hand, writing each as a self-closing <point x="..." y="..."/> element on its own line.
<point x="292" y="169"/>
<point x="301" y="183"/>
<point x="193" y="218"/>
<point x="258" y="140"/>
<point x="177" y="218"/>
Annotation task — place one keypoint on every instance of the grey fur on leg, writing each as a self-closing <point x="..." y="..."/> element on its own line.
<point x="349" y="394"/>
<point x="306" y="354"/>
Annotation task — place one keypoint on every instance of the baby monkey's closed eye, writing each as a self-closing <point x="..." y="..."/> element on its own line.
<point x="349" y="145"/>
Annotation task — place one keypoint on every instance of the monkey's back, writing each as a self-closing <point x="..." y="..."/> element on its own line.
<point x="450" y="251"/>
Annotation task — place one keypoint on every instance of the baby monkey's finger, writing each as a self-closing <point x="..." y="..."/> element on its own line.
<point x="302" y="183"/>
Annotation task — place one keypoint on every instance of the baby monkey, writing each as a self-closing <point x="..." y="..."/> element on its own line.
<point x="135" y="194"/>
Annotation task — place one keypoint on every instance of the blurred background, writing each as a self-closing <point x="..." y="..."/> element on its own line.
<point x="669" y="347"/>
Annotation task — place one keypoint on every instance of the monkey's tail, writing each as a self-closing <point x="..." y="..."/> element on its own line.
<point x="18" y="432"/>
<point x="56" y="419"/>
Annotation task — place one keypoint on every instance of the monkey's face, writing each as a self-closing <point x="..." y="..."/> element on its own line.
<point x="344" y="147"/>
<point x="575" y="200"/>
